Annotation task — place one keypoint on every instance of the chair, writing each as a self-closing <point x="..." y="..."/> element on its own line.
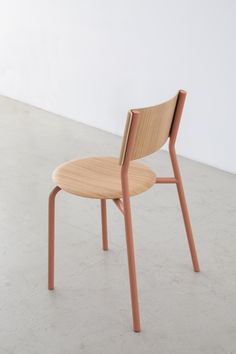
<point x="103" y="178"/>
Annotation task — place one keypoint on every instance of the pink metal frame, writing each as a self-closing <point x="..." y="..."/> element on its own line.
<point x="178" y="179"/>
<point x="51" y="236"/>
<point x="104" y="224"/>
<point x="124" y="207"/>
<point x="128" y="223"/>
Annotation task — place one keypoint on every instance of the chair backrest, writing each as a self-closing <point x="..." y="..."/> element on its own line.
<point x="153" y="129"/>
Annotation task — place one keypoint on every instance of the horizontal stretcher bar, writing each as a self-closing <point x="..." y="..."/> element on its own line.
<point x="166" y="180"/>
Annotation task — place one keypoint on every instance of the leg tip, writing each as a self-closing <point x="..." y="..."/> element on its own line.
<point x="138" y="330"/>
<point x="137" y="327"/>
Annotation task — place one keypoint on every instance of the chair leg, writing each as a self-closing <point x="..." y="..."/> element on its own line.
<point x="131" y="263"/>
<point x="104" y="224"/>
<point x="185" y="213"/>
<point x="188" y="227"/>
<point x="51" y="228"/>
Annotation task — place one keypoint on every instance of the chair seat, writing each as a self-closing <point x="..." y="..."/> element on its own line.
<point x="100" y="177"/>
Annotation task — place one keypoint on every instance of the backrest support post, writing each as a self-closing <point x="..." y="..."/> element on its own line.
<point x="130" y="143"/>
<point x="176" y="119"/>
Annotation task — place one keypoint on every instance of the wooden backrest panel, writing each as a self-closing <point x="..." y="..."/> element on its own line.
<point x="154" y="124"/>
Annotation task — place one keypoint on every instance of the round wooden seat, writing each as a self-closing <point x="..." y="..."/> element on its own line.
<point x="100" y="177"/>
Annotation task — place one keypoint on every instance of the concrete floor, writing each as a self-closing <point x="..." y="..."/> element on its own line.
<point x="89" y="311"/>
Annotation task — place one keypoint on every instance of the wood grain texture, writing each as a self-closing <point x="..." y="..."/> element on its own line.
<point x="153" y="129"/>
<point x="99" y="177"/>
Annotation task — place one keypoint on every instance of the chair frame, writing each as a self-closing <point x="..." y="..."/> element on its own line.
<point x="125" y="208"/>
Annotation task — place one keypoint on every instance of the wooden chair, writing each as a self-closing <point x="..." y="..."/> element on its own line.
<point x="103" y="178"/>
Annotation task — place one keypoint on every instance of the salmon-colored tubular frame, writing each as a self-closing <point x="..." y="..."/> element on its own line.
<point x="104" y="224"/>
<point x="124" y="207"/>
<point x="128" y="222"/>
<point x="51" y="236"/>
<point x="178" y="179"/>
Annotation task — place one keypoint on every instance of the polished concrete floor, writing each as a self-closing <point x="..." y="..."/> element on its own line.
<point x="89" y="312"/>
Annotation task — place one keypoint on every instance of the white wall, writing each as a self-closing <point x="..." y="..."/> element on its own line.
<point x="92" y="60"/>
